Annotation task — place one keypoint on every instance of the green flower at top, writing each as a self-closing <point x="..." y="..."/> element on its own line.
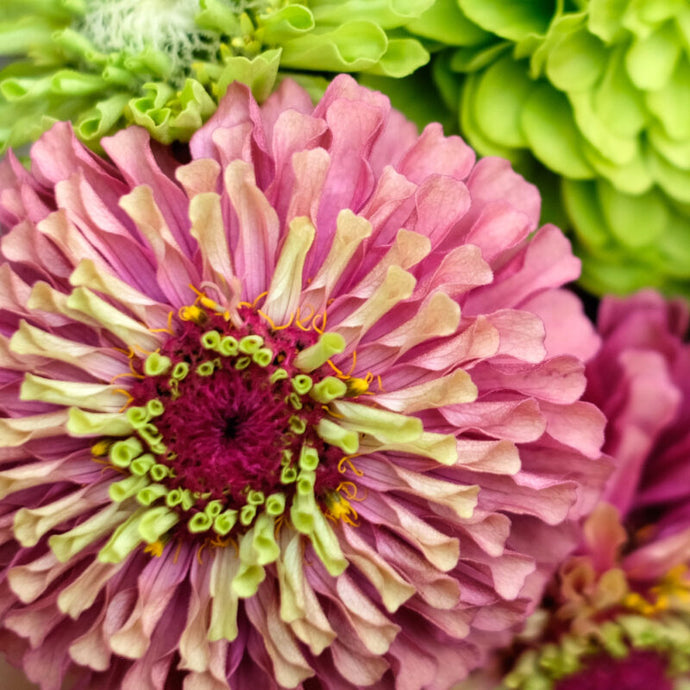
<point x="164" y="64"/>
<point x="595" y="91"/>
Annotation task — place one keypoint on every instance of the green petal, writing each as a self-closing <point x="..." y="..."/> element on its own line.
<point x="674" y="249"/>
<point x="327" y="546"/>
<point x="71" y="83"/>
<point x="351" y="47"/>
<point x="156" y="522"/>
<point x="604" y="18"/>
<point x="81" y="423"/>
<point x="383" y="425"/>
<point x="548" y="125"/>
<point x="259" y="73"/>
<point x="93" y="396"/>
<point x="671" y="103"/>
<point x="284" y="24"/>
<point x="510" y="19"/>
<point x="170" y="116"/>
<point x="316" y="355"/>
<point x="632" y="177"/>
<point x="264" y="542"/>
<point x="223" y="624"/>
<point x="614" y="148"/>
<point x="580" y="199"/>
<point x="635" y="221"/>
<point x="471" y="125"/>
<point x="673" y="180"/>
<point x="345" y="439"/>
<point x="616" y="100"/>
<point x="17" y="89"/>
<point x="650" y="61"/>
<point x="67" y="544"/>
<point x="19" y="36"/>
<point x="124" y="540"/>
<point x="403" y="56"/>
<point x="676" y="152"/>
<point x="387" y="14"/>
<point x="576" y="61"/>
<point x="96" y="123"/>
<point x="471" y="59"/>
<point x="499" y="100"/>
<point x="445" y="22"/>
<point x="250" y="573"/>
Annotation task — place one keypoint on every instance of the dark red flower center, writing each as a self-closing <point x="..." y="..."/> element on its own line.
<point x="231" y="411"/>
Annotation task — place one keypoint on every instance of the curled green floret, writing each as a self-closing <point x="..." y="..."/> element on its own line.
<point x="164" y="65"/>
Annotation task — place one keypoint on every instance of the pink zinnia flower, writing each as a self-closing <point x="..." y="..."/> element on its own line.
<point x="301" y="412"/>
<point x="621" y="606"/>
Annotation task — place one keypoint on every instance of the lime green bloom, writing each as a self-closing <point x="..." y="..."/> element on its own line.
<point x="164" y="64"/>
<point x="597" y="92"/>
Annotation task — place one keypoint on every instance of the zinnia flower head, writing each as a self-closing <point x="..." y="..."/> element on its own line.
<point x="599" y="96"/>
<point x="303" y="411"/>
<point x="622" y="605"/>
<point x="164" y="64"/>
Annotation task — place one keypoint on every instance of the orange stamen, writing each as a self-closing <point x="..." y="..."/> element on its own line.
<point x="298" y="321"/>
<point x="168" y="328"/>
<point x="339" y="373"/>
<point x="322" y="328"/>
<point x="354" y="362"/>
<point x="286" y="325"/>
<point x="266" y="317"/>
<point x="347" y="460"/>
<point x="260" y="297"/>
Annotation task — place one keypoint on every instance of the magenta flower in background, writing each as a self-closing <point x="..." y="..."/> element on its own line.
<point x="303" y="411"/>
<point x="621" y="606"/>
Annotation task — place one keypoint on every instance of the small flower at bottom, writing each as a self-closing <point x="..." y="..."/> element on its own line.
<point x="300" y="412"/>
<point x="618" y="612"/>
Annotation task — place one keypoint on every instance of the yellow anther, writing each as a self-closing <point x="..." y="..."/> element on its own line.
<point x="210" y="304"/>
<point x="155" y="548"/>
<point x="339" y="508"/>
<point x="357" y="386"/>
<point x="192" y="313"/>
<point x="101" y="448"/>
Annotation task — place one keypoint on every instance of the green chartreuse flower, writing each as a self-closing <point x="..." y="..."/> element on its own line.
<point x="595" y="91"/>
<point x="164" y="64"/>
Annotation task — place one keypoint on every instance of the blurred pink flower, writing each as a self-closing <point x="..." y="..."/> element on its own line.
<point x="641" y="380"/>
<point x="620" y="608"/>
<point x="302" y="412"/>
